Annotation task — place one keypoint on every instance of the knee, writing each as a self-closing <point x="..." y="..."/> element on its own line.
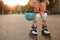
<point x="44" y="16"/>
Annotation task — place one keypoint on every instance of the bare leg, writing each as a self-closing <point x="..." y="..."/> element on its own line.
<point x="34" y="26"/>
<point x="44" y="18"/>
<point x="44" y="24"/>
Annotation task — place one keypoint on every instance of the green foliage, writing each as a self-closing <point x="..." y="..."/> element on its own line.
<point x="28" y="8"/>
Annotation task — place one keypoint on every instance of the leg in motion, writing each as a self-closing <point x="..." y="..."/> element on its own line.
<point x="44" y="24"/>
<point x="34" y="27"/>
<point x="43" y="14"/>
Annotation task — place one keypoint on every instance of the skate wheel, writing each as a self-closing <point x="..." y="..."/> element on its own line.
<point x="49" y="37"/>
<point x="33" y="36"/>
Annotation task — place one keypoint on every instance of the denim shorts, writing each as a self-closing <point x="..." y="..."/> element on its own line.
<point x="39" y="0"/>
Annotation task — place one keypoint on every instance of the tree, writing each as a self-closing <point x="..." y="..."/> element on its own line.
<point x="51" y="5"/>
<point x="1" y="6"/>
<point x="28" y="8"/>
<point x="6" y="9"/>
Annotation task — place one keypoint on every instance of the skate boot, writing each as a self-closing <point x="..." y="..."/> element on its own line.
<point x="33" y="32"/>
<point x="45" y="33"/>
<point x="44" y="30"/>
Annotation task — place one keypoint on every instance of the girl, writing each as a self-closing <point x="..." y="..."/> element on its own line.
<point x="40" y="7"/>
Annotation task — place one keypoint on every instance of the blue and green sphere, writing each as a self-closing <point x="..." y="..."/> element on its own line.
<point x="30" y="16"/>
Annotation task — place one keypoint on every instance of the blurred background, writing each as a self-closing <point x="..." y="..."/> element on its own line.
<point x="14" y="26"/>
<point x="17" y="7"/>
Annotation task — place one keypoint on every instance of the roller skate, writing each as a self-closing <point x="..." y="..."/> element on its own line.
<point x="45" y="33"/>
<point x="33" y="32"/>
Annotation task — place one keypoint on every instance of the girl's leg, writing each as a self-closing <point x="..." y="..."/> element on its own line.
<point x="44" y="19"/>
<point x="34" y="26"/>
<point x="36" y="7"/>
<point x="44" y="24"/>
<point x="43" y="15"/>
<point x="34" y="22"/>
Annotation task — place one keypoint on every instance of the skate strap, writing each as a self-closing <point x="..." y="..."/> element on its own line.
<point x="34" y="32"/>
<point x="47" y="32"/>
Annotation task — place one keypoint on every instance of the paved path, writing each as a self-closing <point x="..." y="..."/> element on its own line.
<point x="16" y="27"/>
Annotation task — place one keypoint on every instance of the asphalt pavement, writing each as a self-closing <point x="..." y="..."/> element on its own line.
<point x="16" y="27"/>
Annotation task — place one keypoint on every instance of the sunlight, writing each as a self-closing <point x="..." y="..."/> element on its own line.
<point x="15" y="2"/>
